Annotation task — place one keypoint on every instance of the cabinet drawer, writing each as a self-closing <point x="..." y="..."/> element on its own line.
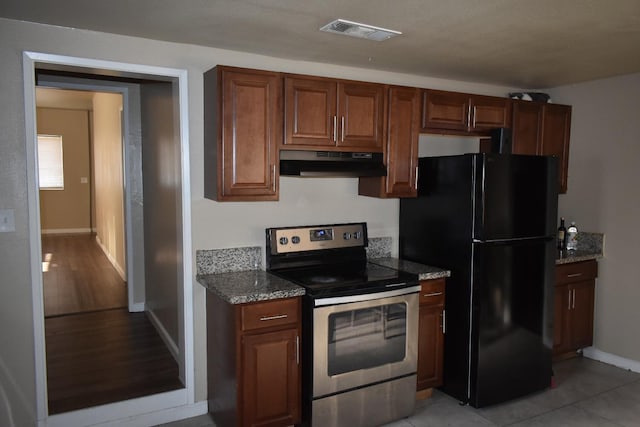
<point x="576" y="272"/>
<point x="269" y="314"/>
<point x="432" y="291"/>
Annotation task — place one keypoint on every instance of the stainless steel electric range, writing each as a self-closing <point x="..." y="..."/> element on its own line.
<point x="360" y="325"/>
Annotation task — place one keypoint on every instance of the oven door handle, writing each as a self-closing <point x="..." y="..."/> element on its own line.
<point x="321" y="302"/>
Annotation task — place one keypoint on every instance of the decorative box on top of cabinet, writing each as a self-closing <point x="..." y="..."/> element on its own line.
<point x="574" y="302"/>
<point x="431" y="332"/>
<point x="253" y="362"/>
<point x="330" y="114"/>
<point x="543" y="129"/>
<point x="243" y="129"/>
<point x="462" y="113"/>
<point x="401" y="148"/>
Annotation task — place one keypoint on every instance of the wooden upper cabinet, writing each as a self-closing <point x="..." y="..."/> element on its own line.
<point x="527" y="127"/>
<point x="401" y="148"/>
<point x="328" y="113"/>
<point x="543" y="129"/>
<point x="243" y="122"/>
<point x="461" y="113"/>
<point x="556" y="132"/>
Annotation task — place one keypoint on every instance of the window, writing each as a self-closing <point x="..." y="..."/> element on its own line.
<point x="50" y="167"/>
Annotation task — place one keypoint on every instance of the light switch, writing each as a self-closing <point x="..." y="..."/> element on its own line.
<point x="7" y="221"/>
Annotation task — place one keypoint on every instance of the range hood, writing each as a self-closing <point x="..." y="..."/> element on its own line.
<point x="331" y="163"/>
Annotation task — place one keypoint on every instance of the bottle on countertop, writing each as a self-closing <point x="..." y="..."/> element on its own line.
<point x="562" y="235"/>
<point x="572" y="237"/>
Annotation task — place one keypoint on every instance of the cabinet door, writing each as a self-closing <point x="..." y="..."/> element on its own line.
<point x="489" y="112"/>
<point x="555" y="138"/>
<point x="581" y="323"/>
<point x="243" y="112"/>
<point x="360" y="116"/>
<point x="401" y="150"/>
<point x="444" y="110"/>
<point x="562" y="307"/>
<point x="310" y="111"/>
<point x="270" y="379"/>
<point x="430" y="346"/>
<point x="527" y="127"/>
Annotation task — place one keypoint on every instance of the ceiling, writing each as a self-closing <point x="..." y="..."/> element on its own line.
<point x="532" y="44"/>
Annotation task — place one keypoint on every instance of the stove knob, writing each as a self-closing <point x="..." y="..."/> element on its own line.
<point x="346" y="236"/>
<point x="284" y="240"/>
<point x="295" y="240"/>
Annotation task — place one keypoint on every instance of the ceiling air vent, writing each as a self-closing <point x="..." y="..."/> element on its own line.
<point x="355" y="29"/>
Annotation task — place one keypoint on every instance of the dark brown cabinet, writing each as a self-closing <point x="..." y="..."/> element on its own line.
<point x="243" y="128"/>
<point x="253" y="362"/>
<point x="461" y="113"/>
<point x="543" y="129"/>
<point x="401" y="148"/>
<point x="431" y="332"/>
<point x="323" y="113"/>
<point x="574" y="302"/>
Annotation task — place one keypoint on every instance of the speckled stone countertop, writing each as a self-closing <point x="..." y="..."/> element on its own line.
<point x="566" y="257"/>
<point x="240" y="287"/>
<point x="590" y="246"/>
<point x="424" y="272"/>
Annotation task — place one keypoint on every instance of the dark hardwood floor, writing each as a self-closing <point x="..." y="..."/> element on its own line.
<point x="97" y="354"/>
<point x="78" y="277"/>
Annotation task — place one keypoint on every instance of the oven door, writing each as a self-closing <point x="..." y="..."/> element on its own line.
<point x="364" y="339"/>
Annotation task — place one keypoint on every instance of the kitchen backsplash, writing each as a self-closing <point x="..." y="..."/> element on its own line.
<point x="214" y="261"/>
<point x="592" y="242"/>
<point x="379" y="247"/>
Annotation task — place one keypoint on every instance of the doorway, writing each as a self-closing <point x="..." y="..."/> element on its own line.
<point x="149" y="406"/>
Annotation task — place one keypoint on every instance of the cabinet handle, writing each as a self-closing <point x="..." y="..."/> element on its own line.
<point x="277" y="316"/>
<point x="273" y="178"/>
<point x="574" y="275"/>
<point x="342" y="130"/>
<point x="474" y="116"/>
<point x="335" y="128"/>
<point x="416" y="184"/>
<point x="573" y="305"/>
<point x="469" y="115"/>
<point x="432" y="294"/>
<point x="569" y="304"/>
<point x="297" y="349"/>
<point x="444" y="322"/>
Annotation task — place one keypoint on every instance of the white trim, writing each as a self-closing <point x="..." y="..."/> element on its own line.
<point x="173" y="347"/>
<point x="65" y="231"/>
<point x="112" y="260"/>
<point x="157" y="403"/>
<point x="611" y="359"/>
<point x="144" y="411"/>
<point x="137" y="307"/>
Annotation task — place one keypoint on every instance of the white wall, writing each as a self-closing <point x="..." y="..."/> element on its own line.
<point x="215" y="225"/>
<point x="603" y="196"/>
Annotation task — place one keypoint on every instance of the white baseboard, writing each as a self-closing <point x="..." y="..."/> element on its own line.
<point x="112" y="260"/>
<point x="173" y="347"/>
<point x="137" y="307"/>
<point x="611" y="359"/>
<point x="65" y="231"/>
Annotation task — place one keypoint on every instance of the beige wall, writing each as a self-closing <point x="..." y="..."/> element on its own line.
<point x="604" y="173"/>
<point x="68" y="209"/>
<point x="108" y="176"/>
<point x="215" y="225"/>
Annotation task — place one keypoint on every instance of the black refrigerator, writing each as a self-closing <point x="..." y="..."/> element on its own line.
<point x="491" y="220"/>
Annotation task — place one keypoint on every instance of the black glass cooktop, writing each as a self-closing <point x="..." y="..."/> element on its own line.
<point x="344" y="279"/>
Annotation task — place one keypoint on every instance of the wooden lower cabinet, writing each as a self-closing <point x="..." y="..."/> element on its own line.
<point x="253" y="362"/>
<point x="574" y="303"/>
<point x="431" y="329"/>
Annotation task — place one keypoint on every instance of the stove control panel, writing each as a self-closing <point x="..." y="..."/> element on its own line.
<point x="312" y="238"/>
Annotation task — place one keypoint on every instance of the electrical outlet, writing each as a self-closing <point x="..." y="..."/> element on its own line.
<point x="84" y="180"/>
<point x="7" y="221"/>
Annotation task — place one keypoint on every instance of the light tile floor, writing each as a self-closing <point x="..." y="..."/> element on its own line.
<point x="588" y="393"/>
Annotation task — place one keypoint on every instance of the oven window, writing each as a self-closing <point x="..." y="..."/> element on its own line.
<point x="367" y="338"/>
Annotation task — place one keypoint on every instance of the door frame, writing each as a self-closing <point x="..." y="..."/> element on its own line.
<point x="162" y="407"/>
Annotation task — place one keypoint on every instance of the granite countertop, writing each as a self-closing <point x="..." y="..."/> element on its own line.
<point x="240" y="287"/>
<point x="566" y="257"/>
<point x="424" y="272"/>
